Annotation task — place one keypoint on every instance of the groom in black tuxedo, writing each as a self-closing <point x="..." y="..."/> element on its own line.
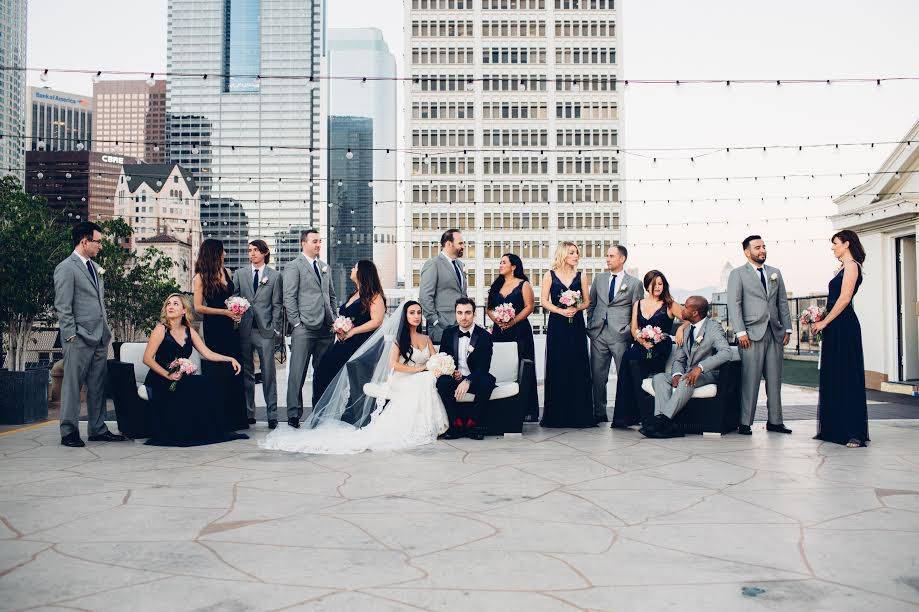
<point x="471" y="348"/>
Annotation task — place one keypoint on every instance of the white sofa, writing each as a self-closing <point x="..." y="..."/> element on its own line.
<point x="133" y="353"/>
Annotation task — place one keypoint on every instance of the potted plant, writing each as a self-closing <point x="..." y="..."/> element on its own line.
<point x="36" y="242"/>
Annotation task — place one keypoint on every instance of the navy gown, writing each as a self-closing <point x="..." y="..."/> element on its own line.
<point x="842" y="410"/>
<point x="222" y="337"/>
<point x="522" y="334"/>
<point x="191" y="415"/>
<point x="568" y="394"/>
<point x="339" y="353"/>
<point x="636" y="367"/>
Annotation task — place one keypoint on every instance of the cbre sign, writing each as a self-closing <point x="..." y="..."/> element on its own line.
<point x="113" y="159"/>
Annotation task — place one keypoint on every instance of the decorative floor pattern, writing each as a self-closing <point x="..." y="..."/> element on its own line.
<point x="554" y="520"/>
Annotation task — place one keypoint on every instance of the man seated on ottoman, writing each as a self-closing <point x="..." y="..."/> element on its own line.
<point x="706" y="349"/>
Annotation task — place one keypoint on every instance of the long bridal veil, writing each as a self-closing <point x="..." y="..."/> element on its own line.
<point x="344" y="400"/>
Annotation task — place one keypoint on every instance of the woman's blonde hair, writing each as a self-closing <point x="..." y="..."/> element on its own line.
<point x="186" y="318"/>
<point x="561" y="253"/>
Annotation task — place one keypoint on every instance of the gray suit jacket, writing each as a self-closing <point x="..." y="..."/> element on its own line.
<point x="307" y="301"/>
<point x="618" y="314"/>
<point x="265" y="304"/>
<point x="754" y="311"/>
<point x="439" y="289"/>
<point x="79" y="304"/>
<point x="710" y="349"/>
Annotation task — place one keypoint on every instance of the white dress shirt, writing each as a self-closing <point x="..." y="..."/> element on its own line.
<point x="618" y="280"/>
<point x="261" y="272"/>
<point x="78" y="254"/>
<point x="463" y="357"/>
<point x="757" y="269"/>
<point x="696" y="330"/>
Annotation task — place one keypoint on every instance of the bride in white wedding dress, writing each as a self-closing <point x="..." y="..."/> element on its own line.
<point x="414" y="416"/>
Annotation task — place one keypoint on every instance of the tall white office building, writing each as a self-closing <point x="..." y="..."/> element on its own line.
<point x="252" y="141"/>
<point x="513" y="123"/>
<point x="360" y="53"/>
<point x="13" y="14"/>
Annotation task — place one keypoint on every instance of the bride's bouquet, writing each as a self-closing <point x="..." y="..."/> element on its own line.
<point x="813" y="314"/>
<point x="441" y="364"/>
<point x="342" y="325"/>
<point x="569" y="299"/>
<point x="238" y="306"/>
<point x="185" y="366"/>
<point x="504" y="313"/>
<point x="653" y="335"/>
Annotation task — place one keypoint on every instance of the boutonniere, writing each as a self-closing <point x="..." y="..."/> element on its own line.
<point x="774" y="276"/>
<point x="699" y="338"/>
<point x="100" y="270"/>
<point x="263" y="280"/>
<point x="325" y="269"/>
<point x="623" y="287"/>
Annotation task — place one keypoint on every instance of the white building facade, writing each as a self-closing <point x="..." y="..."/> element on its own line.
<point x="513" y="122"/>
<point x="362" y="52"/>
<point x="887" y="303"/>
<point x="253" y="144"/>
<point x="58" y="121"/>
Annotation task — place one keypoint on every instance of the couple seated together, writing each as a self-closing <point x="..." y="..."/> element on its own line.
<point x="423" y="404"/>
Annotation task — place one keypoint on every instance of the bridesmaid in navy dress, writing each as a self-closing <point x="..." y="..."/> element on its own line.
<point x="191" y="414"/>
<point x="513" y="287"/>
<point x="657" y="309"/>
<point x="212" y="287"/>
<point x="842" y="410"/>
<point x="366" y="308"/>
<point x="568" y="395"/>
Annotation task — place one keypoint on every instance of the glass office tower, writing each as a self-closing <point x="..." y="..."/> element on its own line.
<point x="247" y="136"/>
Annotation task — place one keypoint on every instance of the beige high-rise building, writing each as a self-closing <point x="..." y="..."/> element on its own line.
<point x="130" y="119"/>
<point x="513" y="123"/>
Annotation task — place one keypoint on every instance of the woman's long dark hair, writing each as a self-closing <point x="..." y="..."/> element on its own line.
<point x="210" y="266"/>
<point x="855" y="245"/>
<point x="404" y="341"/>
<point x="368" y="281"/>
<point x="665" y="292"/>
<point x="496" y="286"/>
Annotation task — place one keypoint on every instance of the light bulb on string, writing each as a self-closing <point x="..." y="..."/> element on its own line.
<point x="68" y="175"/>
<point x="40" y="175"/>
<point x="80" y="146"/>
<point x="97" y="76"/>
<point x="151" y="81"/>
<point x="43" y="76"/>
<point x="349" y="154"/>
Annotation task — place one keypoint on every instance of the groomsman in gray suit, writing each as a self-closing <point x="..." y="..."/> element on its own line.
<point x="260" y="327"/>
<point x="308" y="297"/>
<point x="758" y="313"/>
<point x="706" y="349"/>
<point x="79" y="300"/>
<point x="443" y="281"/>
<point x="609" y="321"/>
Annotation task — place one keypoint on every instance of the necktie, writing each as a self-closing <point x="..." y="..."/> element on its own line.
<point x="612" y="289"/>
<point x="92" y="273"/>
<point x="463" y="334"/>
<point x="255" y="282"/>
<point x="316" y="270"/>
<point x="762" y="279"/>
<point x="692" y="333"/>
<point x="459" y="275"/>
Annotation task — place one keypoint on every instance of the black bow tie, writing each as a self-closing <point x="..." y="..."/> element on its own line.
<point x="465" y="334"/>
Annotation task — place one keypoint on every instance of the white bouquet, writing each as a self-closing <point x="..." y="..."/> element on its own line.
<point x="441" y="364"/>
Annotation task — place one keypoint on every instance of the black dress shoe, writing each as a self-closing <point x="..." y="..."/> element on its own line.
<point x="294" y="422"/>
<point x="780" y="428"/>
<point x="663" y="428"/>
<point x="744" y="430"/>
<point x="107" y="437"/>
<point x="251" y="421"/>
<point x="615" y="425"/>
<point x="73" y="440"/>
<point x="475" y="433"/>
<point x="452" y="434"/>
<point x="272" y="423"/>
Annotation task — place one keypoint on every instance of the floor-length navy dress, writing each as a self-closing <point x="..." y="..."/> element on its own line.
<point x="339" y="353"/>
<point x="842" y="410"/>
<point x="522" y="334"/>
<point x="222" y="337"/>
<point x="568" y="394"/>
<point x="636" y="366"/>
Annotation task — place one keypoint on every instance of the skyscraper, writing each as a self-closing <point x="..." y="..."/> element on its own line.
<point x="131" y="118"/>
<point x="58" y="121"/>
<point x="358" y="53"/>
<point x="512" y="121"/>
<point x="247" y="136"/>
<point x="351" y="209"/>
<point x="13" y="87"/>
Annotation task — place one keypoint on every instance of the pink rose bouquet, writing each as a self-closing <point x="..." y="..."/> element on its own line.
<point x="504" y="313"/>
<point x="185" y="366"/>
<point x="652" y="335"/>
<point x="813" y="314"/>
<point x="342" y="325"/>
<point x="569" y="299"/>
<point x="238" y="306"/>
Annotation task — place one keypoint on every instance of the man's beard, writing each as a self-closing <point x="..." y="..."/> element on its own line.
<point x="459" y="253"/>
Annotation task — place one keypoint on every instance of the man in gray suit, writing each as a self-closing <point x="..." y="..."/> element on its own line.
<point x="758" y="313"/>
<point x="260" y="326"/>
<point x="79" y="302"/>
<point x="696" y="364"/>
<point x="443" y="281"/>
<point x="308" y="297"/>
<point x="609" y="321"/>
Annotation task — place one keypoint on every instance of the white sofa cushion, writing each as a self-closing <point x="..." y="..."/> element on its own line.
<point x="703" y="392"/>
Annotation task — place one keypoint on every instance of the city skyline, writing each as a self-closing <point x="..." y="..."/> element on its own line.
<point x="728" y="42"/>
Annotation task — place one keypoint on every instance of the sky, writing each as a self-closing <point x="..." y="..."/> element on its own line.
<point x="659" y="39"/>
